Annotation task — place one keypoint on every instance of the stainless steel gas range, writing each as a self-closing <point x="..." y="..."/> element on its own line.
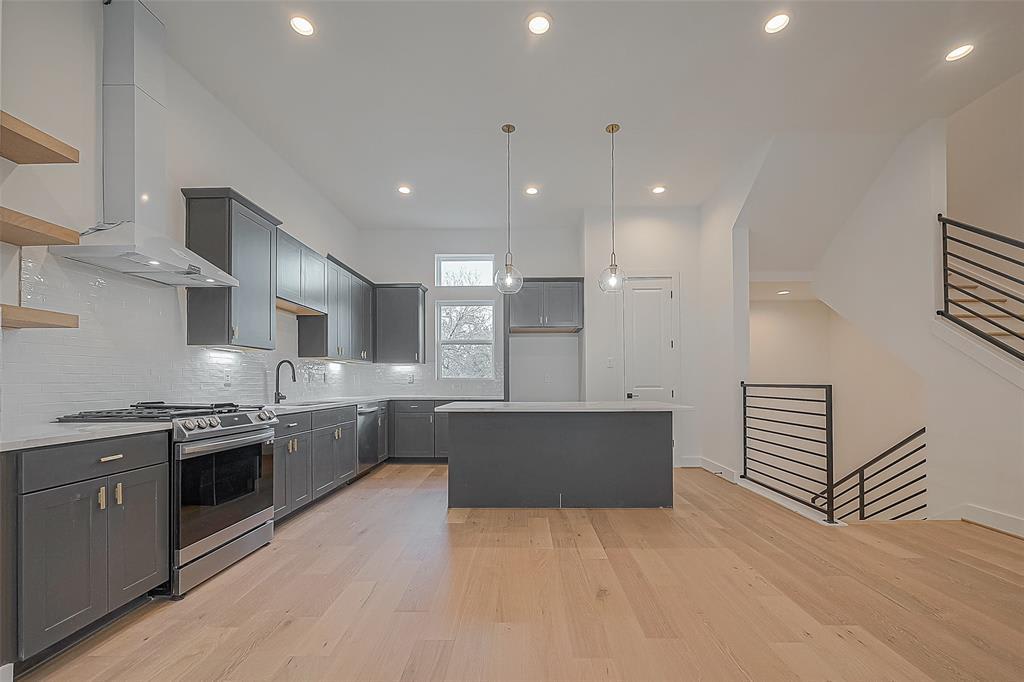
<point x="222" y="483"/>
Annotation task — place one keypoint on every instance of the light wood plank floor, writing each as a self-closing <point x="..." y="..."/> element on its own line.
<point x="380" y="582"/>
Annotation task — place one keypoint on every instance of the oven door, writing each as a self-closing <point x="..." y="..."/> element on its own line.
<point x="224" y="488"/>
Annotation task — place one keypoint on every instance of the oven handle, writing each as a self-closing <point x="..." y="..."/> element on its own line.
<point x="206" y="447"/>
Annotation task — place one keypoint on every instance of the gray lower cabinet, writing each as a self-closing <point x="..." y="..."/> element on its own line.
<point x="400" y="319"/>
<point x="239" y="237"/>
<point x="282" y="450"/>
<point x="324" y="459"/>
<point x="88" y="548"/>
<point x="547" y="305"/>
<point x="414" y="434"/>
<point x="345" y="452"/>
<point x="383" y="434"/>
<point x="441" y="440"/>
<point x="299" y="472"/>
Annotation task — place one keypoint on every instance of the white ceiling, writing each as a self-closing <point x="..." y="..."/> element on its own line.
<point x="391" y="92"/>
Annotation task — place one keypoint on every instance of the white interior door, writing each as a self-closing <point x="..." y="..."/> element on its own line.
<point x="651" y="366"/>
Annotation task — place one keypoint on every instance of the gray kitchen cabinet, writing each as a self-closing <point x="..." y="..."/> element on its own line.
<point x="400" y="319"/>
<point x="299" y="473"/>
<point x="362" y="320"/>
<point x="343" y="315"/>
<point x="314" y="280"/>
<point x="442" y="444"/>
<point x="338" y="334"/>
<point x="324" y="461"/>
<point x="414" y="434"/>
<point x="239" y="237"/>
<point x="547" y="305"/>
<point x="383" y="434"/>
<point x="63" y="567"/>
<point x="137" y="533"/>
<point x="282" y="451"/>
<point x="301" y="274"/>
<point x="345" y="452"/>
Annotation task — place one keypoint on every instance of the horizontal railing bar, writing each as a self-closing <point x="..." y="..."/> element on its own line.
<point x="895" y="462"/>
<point x="983" y="232"/>
<point x="781" y="480"/>
<point x="852" y="499"/>
<point x="981" y="282"/>
<point x="785" y="385"/>
<point x="838" y="495"/>
<point x="988" y="251"/>
<point x="779" y="397"/>
<point x="788" y="435"/>
<point x="791" y="473"/>
<point x="993" y="322"/>
<point x="880" y="457"/>
<point x="779" y="421"/>
<point x="788" y="447"/>
<point x="915" y="509"/>
<point x="977" y="332"/>
<point x="780" y="409"/>
<point x="893" y="477"/>
<point x="849" y="513"/>
<point x="976" y="264"/>
<point x="868" y="503"/>
<point x="987" y="302"/>
<point x="899" y="502"/>
<point x="783" y="493"/>
<point x="788" y="459"/>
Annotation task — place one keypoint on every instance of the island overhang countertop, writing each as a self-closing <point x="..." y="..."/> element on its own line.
<point x="576" y="406"/>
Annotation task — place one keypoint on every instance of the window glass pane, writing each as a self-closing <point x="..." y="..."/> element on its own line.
<point x="467" y="361"/>
<point x="453" y="272"/>
<point x="466" y="323"/>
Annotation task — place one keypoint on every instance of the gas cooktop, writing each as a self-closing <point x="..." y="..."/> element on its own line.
<point x="158" y="411"/>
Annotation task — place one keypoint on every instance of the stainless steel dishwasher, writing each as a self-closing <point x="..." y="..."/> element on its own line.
<point x="368" y="425"/>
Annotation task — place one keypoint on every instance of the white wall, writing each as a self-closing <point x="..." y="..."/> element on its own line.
<point x="881" y="273"/>
<point x="789" y="342"/>
<point x="985" y="160"/>
<point x="544" y="367"/>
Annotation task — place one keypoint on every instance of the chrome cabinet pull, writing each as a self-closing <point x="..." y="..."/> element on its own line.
<point x="119" y="493"/>
<point x="293" y="425"/>
<point x="111" y="458"/>
<point x="102" y="497"/>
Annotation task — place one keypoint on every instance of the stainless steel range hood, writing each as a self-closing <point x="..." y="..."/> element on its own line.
<point x="136" y="236"/>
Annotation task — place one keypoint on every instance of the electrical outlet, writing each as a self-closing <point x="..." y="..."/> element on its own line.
<point x="611" y="363"/>
<point x="412" y="378"/>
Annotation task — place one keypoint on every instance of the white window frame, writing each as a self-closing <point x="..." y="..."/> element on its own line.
<point x="445" y="257"/>
<point x="439" y="344"/>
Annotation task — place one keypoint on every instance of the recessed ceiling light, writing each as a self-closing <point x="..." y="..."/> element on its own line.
<point x="538" y="23"/>
<point x="784" y="292"/>
<point x="404" y="189"/>
<point x="531" y="190"/>
<point x="658" y="189"/>
<point x="959" y="53"/>
<point x="776" y="23"/>
<point x="302" y="26"/>
<point x="154" y="262"/>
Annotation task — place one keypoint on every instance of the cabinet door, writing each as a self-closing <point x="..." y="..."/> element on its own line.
<point x="414" y="434"/>
<point x="527" y="306"/>
<point x="344" y="316"/>
<point x="399" y="322"/>
<point x="382" y="433"/>
<point x="323" y="461"/>
<point x="300" y="476"/>
<point x="314" y="280"/>
<point x="345" y="452"/>
<point x="253" y="260"/>
<point x="289" y="267"/>
<point x="63" y="562"/>
<point x="362" y="316"/>
<point x="441" y="441"/>
<point x="138" y="529"/>
<point x="282" y="452"/>
<point x="562" y="304"/>
<point x="333" y="346"/>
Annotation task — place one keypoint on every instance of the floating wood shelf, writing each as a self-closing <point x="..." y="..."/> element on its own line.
<point x="21" y="229"/>
<point x="295" y="308"/>
<point x="23" y="143"/>
<point x="20" y="317"/>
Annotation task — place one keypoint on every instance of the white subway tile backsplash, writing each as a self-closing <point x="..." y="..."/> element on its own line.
<point x="130" y="346"/>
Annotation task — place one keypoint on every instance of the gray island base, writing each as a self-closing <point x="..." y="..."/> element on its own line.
<point x="600" y="455"/>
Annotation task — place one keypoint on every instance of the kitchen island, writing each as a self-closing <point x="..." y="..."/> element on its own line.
<point x="567" y="454"/>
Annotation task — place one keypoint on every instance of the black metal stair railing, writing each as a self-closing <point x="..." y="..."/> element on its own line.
<point x="787" y="441"/>
<point x="988" y="291"/>
<point x="873" y="488"/>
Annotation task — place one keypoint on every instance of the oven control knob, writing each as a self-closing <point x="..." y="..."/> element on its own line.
<point x="214" y="421"/>
<point x="201" y="422"/>
<point x="264" y="416"/>
<point x="188" y="425"/>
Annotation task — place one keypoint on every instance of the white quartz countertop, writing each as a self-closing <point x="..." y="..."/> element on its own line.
<point x="327" y="403"/>
<point x="43" y="435"/>
<point x="593" y="406"/>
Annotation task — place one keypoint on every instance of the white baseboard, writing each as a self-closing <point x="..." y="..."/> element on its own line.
<point x="996" y="520"/>
<point x="806" y="512"/>
<point x="719" y="469"/>
<point x="7" y="672"/>
<point x="689" y="462"/>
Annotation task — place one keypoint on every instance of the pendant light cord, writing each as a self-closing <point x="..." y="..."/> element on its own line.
<point x="508" y="195"/>
<point x="613" y="197"/>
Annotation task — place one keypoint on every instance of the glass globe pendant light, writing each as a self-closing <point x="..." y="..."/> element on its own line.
<point x="612" y="278"/>
<point x="507" y="278"/>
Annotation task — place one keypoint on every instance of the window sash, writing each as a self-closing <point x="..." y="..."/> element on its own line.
<point x="442" y="342"/>
<point x="441" y="258"/>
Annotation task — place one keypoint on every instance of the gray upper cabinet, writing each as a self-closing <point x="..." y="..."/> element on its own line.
<point x="362" y="319"/>
<point x="239" y="237"/>
<point x="301" y="274"/>
<point x="554" y="305"/>
<point x="400" y="323"/>
<point x="331" y="336"/>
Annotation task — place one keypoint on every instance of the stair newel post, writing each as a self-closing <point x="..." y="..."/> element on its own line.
<point x="743" y="386"/>
<point x="830" y="502"/>
<point x="860" y="493"/>
<point x="945" y="266"/>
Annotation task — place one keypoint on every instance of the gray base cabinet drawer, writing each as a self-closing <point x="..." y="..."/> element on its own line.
<point x="413" y="406"/>
<point x="333" y="416"/>
<point x="88" y="548"/>
<point x="49" y="467"/>
<point x="291" y="424"/>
